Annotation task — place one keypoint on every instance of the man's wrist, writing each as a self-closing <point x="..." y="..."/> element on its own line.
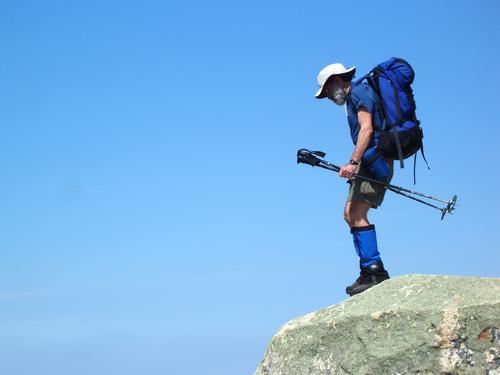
<point x="353" y="162"/>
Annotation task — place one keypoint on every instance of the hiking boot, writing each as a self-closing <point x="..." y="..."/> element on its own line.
<point x="369" y="276"/>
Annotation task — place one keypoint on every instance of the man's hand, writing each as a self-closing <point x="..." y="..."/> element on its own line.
<point x="347" y="170"/>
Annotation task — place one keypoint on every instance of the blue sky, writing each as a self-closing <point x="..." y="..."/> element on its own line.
<point x="154" y="220"/>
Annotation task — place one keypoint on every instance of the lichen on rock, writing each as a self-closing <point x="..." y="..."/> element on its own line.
<point x="408" y="325"/>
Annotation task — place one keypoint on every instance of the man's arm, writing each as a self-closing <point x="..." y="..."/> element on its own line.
<point x="364" y="138"/>
<point x="365" y="134"/>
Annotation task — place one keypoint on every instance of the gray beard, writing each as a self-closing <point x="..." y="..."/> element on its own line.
<point x="339" y="96"/>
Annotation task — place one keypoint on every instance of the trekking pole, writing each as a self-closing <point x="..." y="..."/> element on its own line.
<point x="313" y="158"/>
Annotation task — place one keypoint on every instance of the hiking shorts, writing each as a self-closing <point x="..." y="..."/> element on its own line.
<point x="367" y="191"/>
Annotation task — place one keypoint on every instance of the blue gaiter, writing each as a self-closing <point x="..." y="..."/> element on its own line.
<point x="365" y="243"/>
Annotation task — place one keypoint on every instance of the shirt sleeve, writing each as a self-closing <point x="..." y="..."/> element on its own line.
<point x="363" y="97"/>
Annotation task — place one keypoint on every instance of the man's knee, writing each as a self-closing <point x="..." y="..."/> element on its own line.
<point x="356" y="212"/>
<point x="348" y="213"/>
<point x="347" y="217"/>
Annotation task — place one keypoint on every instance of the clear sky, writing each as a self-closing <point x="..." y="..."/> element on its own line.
<point x="154" y="219"/>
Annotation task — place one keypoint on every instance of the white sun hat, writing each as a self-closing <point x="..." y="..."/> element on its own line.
<point x="331" y="70"/>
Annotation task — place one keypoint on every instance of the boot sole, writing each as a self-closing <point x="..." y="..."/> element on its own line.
<point x="361" y="288"/>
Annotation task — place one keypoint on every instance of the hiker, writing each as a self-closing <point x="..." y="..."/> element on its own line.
<point x="364" y="117"/>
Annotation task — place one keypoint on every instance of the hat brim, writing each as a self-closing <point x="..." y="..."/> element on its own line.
<point x="349" y="74"/>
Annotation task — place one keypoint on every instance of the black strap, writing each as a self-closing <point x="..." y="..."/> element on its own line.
<point x="396" y="136"/>
<point x="415" y="168"/>
<point x="378" y="95"/>
<point x="415" y="160"/>
<point x="423" y="155"/>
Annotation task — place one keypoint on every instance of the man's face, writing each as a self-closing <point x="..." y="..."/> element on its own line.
<point x="336" y="90"/>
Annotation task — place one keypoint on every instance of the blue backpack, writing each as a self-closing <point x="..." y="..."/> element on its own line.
<point x="401" y="135"/>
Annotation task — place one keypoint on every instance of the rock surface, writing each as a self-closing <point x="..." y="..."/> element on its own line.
<point x="414" y="324"/>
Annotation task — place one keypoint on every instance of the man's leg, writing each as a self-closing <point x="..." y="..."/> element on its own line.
<point x="364" y="235"/>
<point x="356" y="213"/>
<point x="365" y="243"/>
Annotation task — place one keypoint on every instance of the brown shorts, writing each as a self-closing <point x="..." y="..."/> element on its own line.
<point x="367" y="191"/>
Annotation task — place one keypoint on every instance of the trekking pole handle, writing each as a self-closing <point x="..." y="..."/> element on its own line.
<point x="310" y="157"/>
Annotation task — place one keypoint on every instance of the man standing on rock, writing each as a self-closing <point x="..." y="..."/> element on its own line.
<point x="364" y="117"/>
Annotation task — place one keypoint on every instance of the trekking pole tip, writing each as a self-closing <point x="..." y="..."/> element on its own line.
<point x="450" y="207"/>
